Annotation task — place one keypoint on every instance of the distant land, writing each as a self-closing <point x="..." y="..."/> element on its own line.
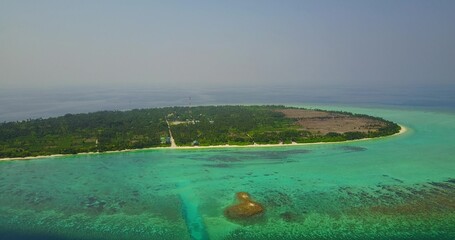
<point x="185" y="126"/>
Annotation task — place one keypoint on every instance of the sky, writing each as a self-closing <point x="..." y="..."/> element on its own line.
<point x="219" y="44"/>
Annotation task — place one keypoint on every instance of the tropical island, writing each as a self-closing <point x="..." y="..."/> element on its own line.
<point x="185" y="126"/>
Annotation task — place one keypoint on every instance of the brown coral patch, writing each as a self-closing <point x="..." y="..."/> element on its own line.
<point x="244" y="208"/>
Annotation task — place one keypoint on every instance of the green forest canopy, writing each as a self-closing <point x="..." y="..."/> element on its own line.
<point x="143" y="128"/>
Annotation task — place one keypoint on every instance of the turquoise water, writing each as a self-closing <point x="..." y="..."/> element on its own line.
<point x="400" y="187"/>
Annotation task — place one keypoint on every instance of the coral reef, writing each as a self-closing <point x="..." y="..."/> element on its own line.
<point x="244" y="208"/>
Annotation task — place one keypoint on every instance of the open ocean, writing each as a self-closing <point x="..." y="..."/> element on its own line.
<point x="399" y="187"/>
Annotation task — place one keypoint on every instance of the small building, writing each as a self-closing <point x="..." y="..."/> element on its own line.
<point x="195" y="143"/>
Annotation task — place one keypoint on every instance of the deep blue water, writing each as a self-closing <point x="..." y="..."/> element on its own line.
<point x="34" y="103"/>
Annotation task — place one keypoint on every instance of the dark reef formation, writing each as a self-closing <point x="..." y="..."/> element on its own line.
<point x="245" y="207"/>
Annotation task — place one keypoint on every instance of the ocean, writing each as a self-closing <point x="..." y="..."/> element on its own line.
<point x="398" y="187"/>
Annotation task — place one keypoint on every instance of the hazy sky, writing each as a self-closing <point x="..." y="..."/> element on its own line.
<point x="46" y="44"/>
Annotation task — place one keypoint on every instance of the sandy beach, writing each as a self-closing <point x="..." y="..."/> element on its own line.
<point x="402" y="131"/>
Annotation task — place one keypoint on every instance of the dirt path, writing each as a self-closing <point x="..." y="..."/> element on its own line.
<point x="173" y="145"/>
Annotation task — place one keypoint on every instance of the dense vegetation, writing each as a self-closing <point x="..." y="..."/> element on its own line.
<point x="208" y="125"/>
<point x="242" y="125"/>
<point x="231" y="125"/>
<point x="75" y="133"/>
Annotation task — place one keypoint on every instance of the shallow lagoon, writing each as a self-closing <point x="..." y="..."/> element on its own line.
<point x="400" y="187"/>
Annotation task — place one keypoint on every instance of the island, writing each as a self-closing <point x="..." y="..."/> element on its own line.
<point x="185" y="126"/>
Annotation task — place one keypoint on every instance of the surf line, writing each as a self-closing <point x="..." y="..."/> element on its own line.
<point x="190" y="212"/>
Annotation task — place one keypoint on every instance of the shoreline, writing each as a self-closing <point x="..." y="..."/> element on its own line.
<point x="402" y="131"/>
